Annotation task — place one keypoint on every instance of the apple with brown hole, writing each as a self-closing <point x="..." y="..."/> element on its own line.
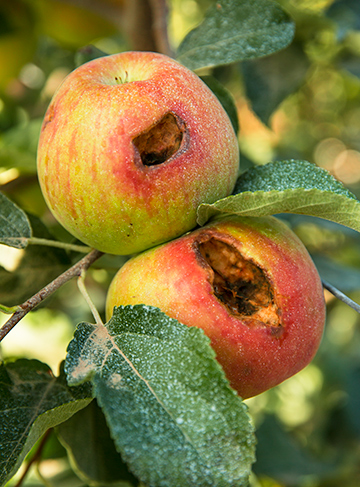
<point x="249" y="283"/>
<point x="130" y="145"/>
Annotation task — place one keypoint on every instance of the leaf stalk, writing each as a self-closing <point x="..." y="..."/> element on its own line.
<point x="341" y="296"/>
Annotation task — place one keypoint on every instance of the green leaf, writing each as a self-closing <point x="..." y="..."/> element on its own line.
<point x="15" y="227"/>
<point x="169" y="407"/>
<point x="39" y="265"/>
<point x="225" y="98"/>
<point x="235" y="30"/>
<point x="32" y="400"/>
<point x="271" y="79"/>
<point x="87" y="439"/>
<point x="292" y="174"/>
<point x="288" y="187"/>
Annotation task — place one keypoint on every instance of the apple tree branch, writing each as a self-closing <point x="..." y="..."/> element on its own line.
<point x="75" y="271"/>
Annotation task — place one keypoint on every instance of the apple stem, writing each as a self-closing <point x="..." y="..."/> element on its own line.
<point x="23" y="309"/>
<point x="84" y="292"/>
<point x="341" y="296"/>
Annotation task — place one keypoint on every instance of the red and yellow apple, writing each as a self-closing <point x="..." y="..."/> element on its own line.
<point x="130" y="145"/>
<point x="249" y="283"/>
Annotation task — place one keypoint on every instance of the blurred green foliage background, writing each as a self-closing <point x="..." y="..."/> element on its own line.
<point x="301" y="103"/>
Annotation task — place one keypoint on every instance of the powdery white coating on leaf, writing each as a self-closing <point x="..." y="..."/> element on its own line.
<point x="292" y="174"/>
<point x="99" y="344"/>
<point x="169" y="407"/>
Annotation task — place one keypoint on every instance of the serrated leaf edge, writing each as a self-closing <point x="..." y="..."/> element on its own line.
<point x="97" y="370"/>
<point x="21" y="240"/>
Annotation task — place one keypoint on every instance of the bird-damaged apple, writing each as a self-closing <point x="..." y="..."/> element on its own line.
<point x="248" y="282"/>
<point x="130" y="146"/>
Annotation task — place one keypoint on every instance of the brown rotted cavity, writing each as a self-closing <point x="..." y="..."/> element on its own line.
<point x="161" y="141"/>
<point x="239" y="284"/>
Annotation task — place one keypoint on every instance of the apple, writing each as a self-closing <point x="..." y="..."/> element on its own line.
<point x="248" y="282"/>
<point x="130" y="145"/>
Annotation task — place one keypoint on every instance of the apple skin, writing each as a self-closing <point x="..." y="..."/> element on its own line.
<point x="91" y="173"/>
<point x="257" y="351"/>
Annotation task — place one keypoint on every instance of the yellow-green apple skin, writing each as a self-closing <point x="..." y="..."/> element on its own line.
<point x="130" y="145"/>
<point x="249" y="283"/>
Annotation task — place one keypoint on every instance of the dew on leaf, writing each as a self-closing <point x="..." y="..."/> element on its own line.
<point x="164" y="395"/>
